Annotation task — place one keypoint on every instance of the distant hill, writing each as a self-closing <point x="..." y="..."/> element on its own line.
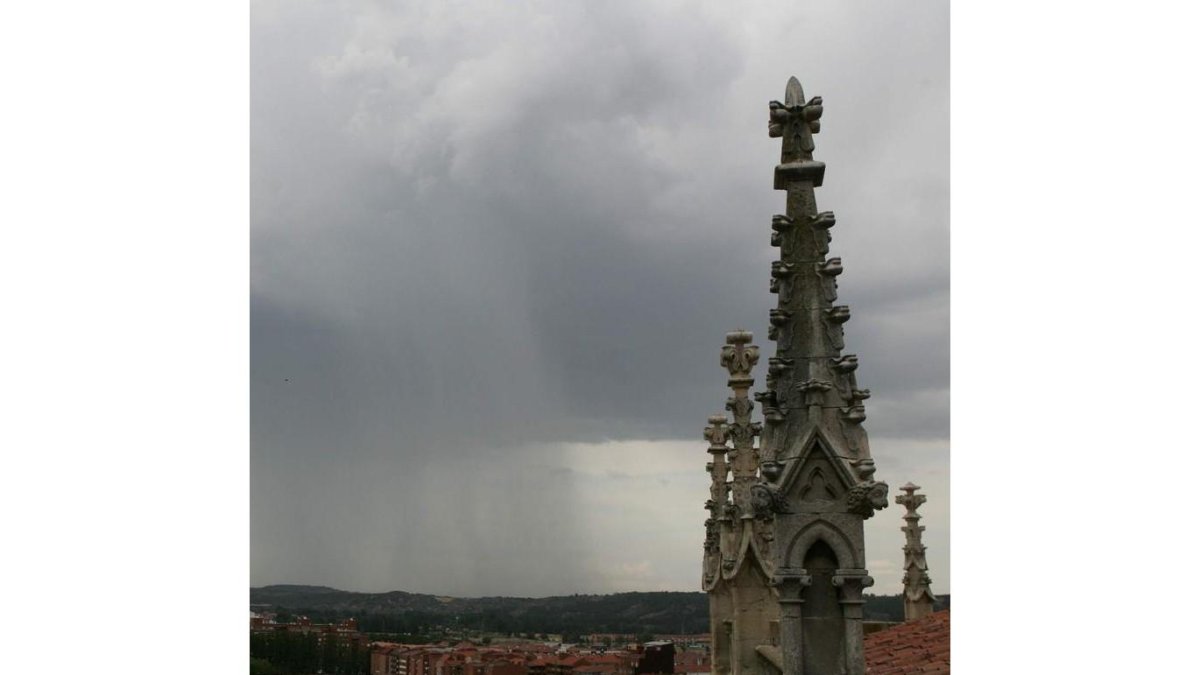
<point x="332" y="599"/>
<point x="418" y="613"/>
<point x="398" y="611"/>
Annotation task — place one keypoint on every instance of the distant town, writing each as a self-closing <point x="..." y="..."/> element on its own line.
<point x="305" y="631"/>
<point x="302" y="646"/>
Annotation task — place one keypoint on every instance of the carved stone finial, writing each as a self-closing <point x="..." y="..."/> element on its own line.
<point x="739" y="358"/>
<point x="795" y="120"/>
<point x="910" y="500"/>
<point x="716" y="433"/>
<point x="918" y="596"/>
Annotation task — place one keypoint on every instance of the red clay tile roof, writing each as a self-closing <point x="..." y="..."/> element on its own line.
<point x="921" y="646"/>
<point x="595" y="668"/>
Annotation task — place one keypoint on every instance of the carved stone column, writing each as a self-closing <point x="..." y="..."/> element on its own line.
<point x="790" y="582"/>
<point x="715" y="434"/>
<point x="850" y="584"/>
<point x="739" y="358"/>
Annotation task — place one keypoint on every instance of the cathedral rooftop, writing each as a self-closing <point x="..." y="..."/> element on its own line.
<point x="921" y="646"/>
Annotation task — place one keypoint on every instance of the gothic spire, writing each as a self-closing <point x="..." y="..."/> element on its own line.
<point x="810" y="383"/>
<point x="816" y="451"/>
<point x="918" y="597"/>
<point x="800" y="497"/>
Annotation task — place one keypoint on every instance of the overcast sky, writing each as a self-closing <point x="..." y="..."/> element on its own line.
<point x="495" y="248"/>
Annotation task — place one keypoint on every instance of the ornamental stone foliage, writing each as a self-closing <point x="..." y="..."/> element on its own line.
<point x="783" y="551"/>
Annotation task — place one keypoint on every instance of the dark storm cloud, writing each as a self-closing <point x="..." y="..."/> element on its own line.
<point x="480" y="233"/>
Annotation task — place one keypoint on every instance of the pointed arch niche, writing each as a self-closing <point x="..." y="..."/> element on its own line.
<point x="814" y="629"/>
<point x="822" y="625"/>
<point x="821" y="531"/>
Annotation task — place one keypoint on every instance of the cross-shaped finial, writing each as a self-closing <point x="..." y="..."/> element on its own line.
<point x="910" y="500"/>
<point x="796" y="121"/>
<point x="738" y="356"/>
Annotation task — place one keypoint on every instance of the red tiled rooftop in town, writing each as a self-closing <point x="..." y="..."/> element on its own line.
<point x="921" y="646"/>
<point x="595" y="668"/>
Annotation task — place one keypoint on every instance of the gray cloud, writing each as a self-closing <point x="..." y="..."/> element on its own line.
<point x="483" y="234"/>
